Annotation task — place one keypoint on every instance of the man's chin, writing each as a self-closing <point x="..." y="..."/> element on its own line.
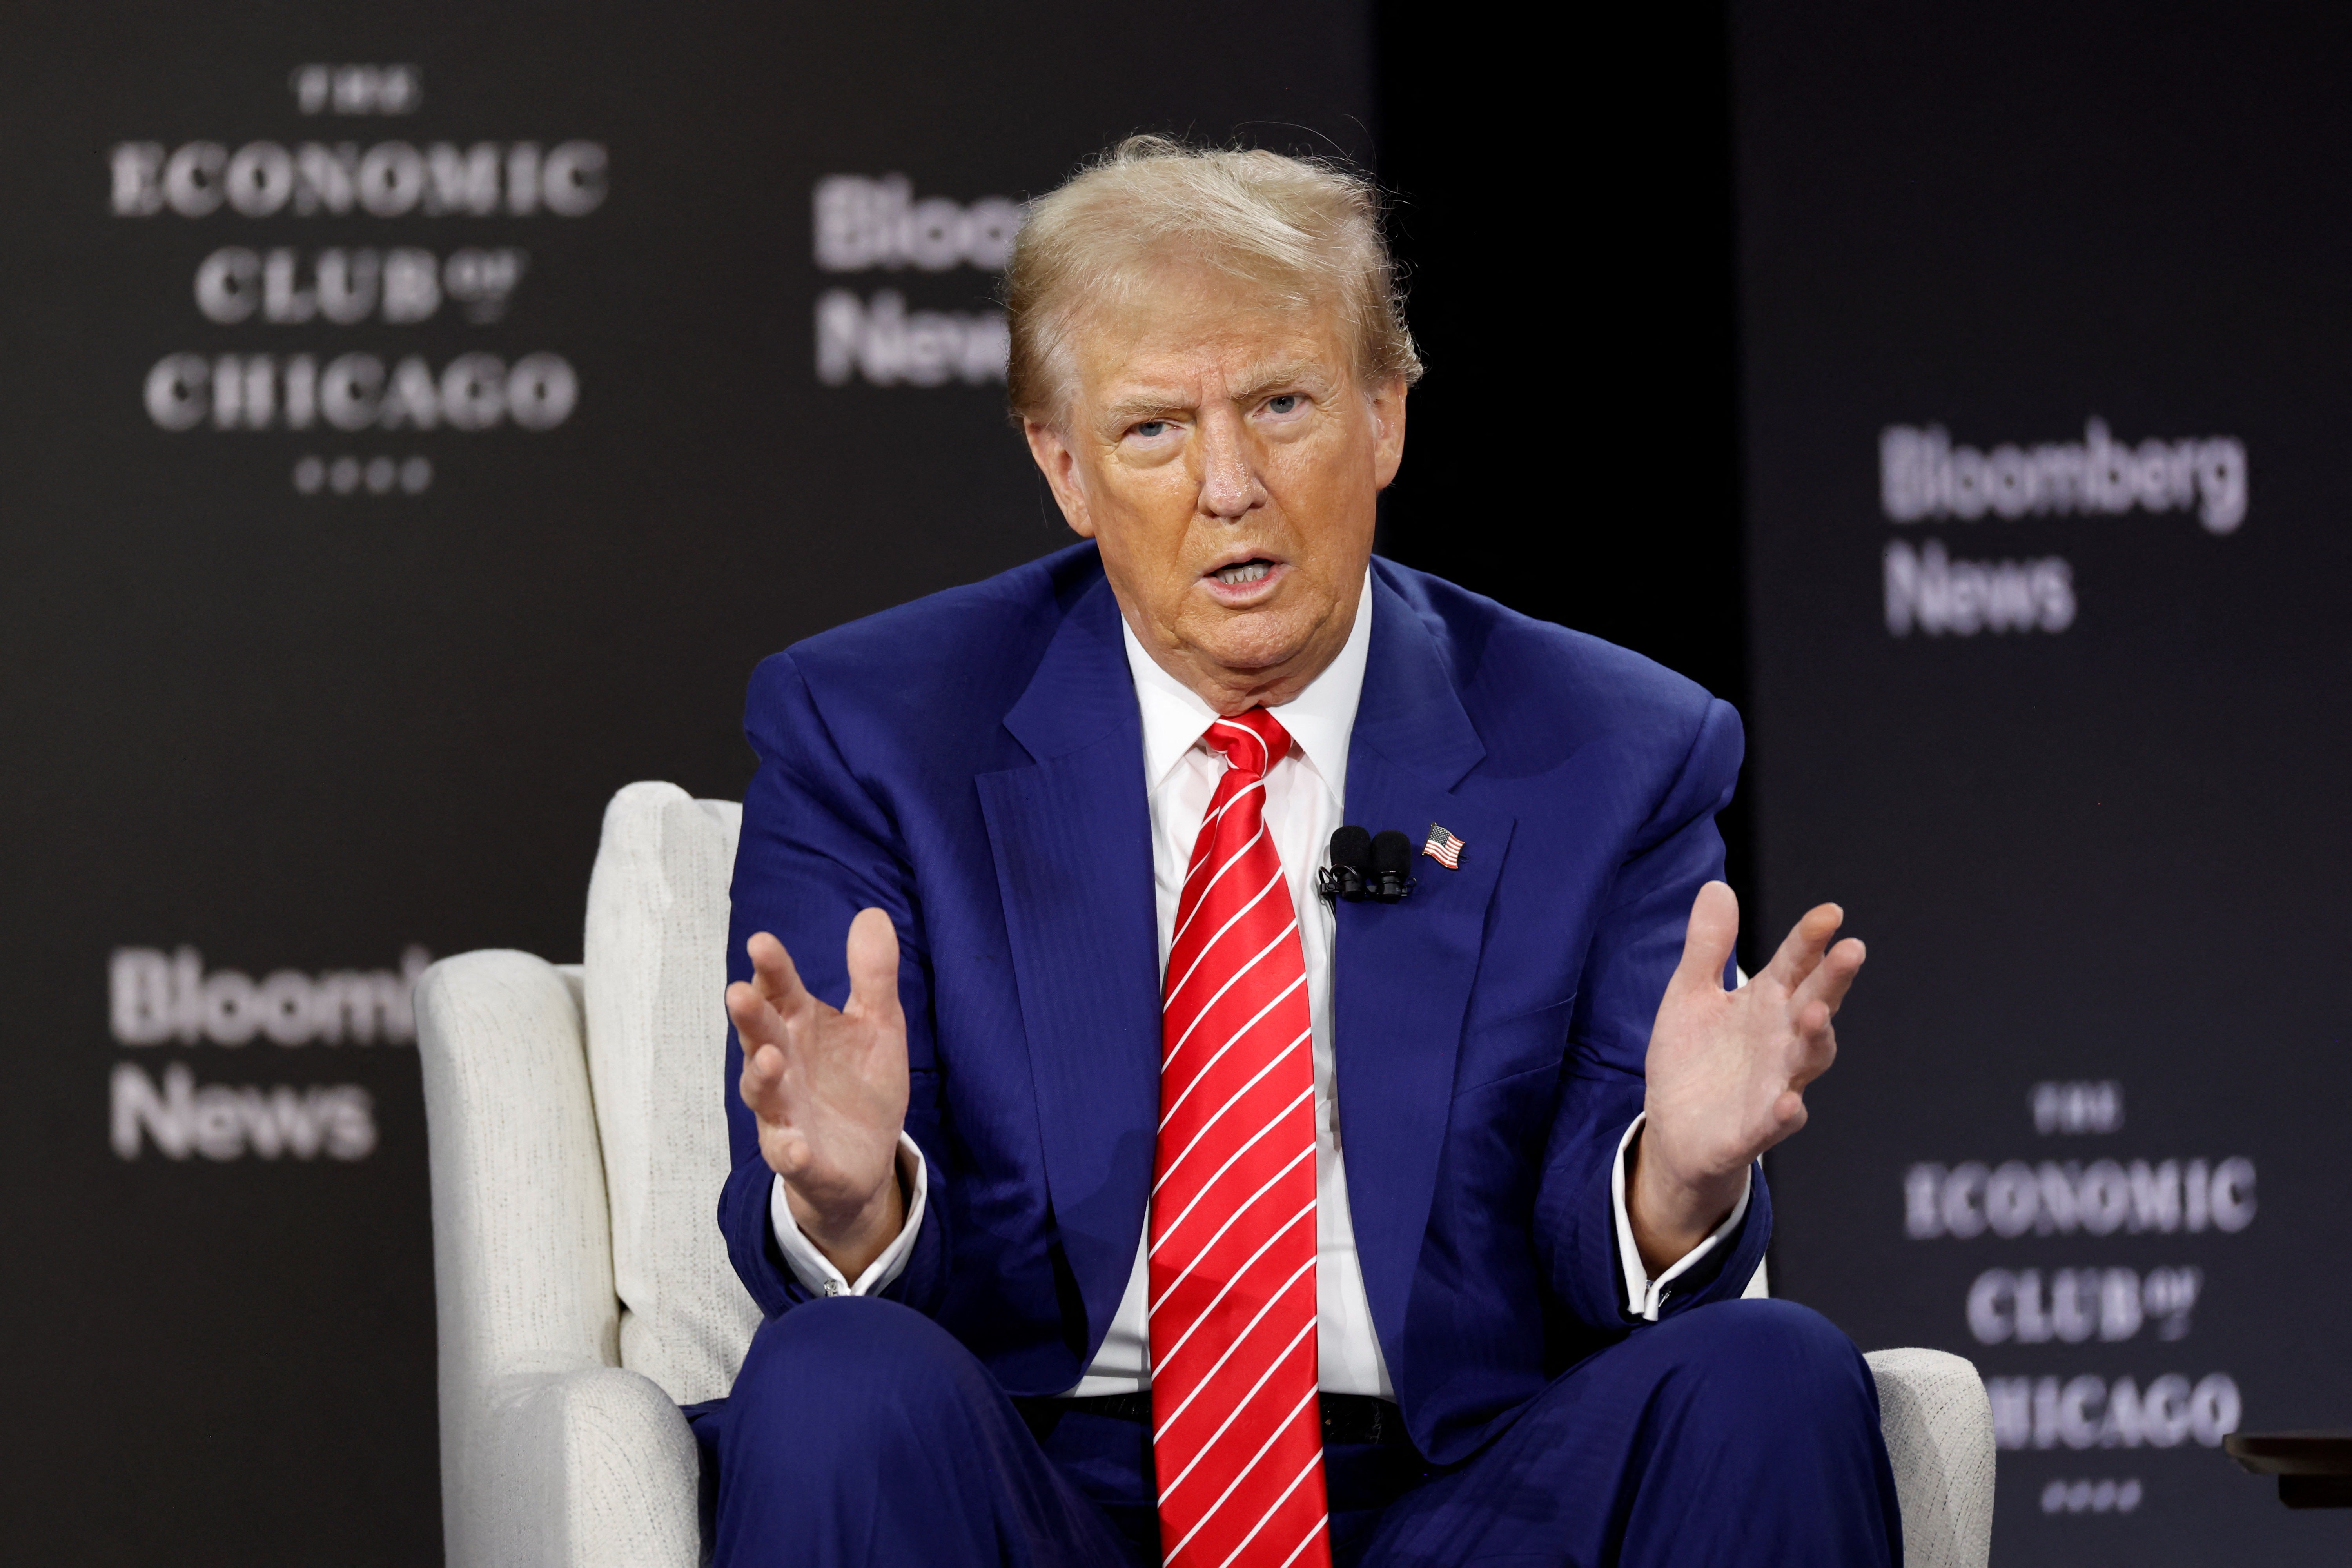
<point x="1251" y="661"/>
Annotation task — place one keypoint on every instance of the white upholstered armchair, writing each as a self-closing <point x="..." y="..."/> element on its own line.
<point x="578" y="1145"/>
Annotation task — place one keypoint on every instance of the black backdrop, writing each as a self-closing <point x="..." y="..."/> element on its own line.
<point x="1564" y="218"/>
<point x="2045" y="323"/>
<point x="258" y="711"/>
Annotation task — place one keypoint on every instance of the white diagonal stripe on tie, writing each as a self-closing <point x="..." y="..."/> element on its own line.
<point x="1221" y="1231"/>
<point x="1210" y="946"/>
<point x="1276" y="1506"/>
<point x="1224" y="1290"/>
<point x="1238" y="1340"/>
<point x="1306" y="1540"/>
<point x="1240" y="1405"/>
<point x="1198" y="904"/>
<point x="1243" y="1475"/>
<point x="1235" y="1343"/>
<point x="1195" y="1080"/>
<point x="1210" y="1185"/>
<point x="1228" y="985"/>
<point x="1201" y="846"/>
<point x="1219" y="1114"/>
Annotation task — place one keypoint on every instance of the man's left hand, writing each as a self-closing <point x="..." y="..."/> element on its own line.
<point x="1727" y="1070"/>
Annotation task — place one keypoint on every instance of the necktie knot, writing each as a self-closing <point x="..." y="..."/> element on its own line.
<point x="1252" y="741"/>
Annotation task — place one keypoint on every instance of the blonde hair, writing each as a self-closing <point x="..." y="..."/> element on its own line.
<point x="1307" y="229"/>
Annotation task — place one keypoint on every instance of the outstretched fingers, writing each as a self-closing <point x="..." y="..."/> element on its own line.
<point x="775" y="975"/>
<point x="1801" y="951"/>
<point x="763" y="1068"/>
<point x="1831" y="978"/>
<point x="1788" y="1114"/>
<point x="1814" y="1045"/>
<point x="1812" y="1011"/>
<point x="762" y="1010"/>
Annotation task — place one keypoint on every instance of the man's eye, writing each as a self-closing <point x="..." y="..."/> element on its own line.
<point x="1151" y="429"/>
<point x="1287" y="402"/>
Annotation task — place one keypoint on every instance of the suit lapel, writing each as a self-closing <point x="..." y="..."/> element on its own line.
<point x="1404" y="971"/>
<point x="1071" y="835"/>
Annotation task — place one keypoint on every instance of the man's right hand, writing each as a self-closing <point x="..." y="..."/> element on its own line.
<point x="829" y="1089"/>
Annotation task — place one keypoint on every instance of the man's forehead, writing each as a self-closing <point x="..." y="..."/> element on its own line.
<point x="1171" y="323"/>
<point x="1176" y="357"/>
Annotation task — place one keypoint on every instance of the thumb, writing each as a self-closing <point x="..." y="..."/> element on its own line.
<point x="873" y="967"/>
<point x="1714" y="929"/>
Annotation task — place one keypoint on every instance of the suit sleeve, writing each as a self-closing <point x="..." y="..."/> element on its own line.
<point x="1636" y="945"/>
<point x="817" y="846"/>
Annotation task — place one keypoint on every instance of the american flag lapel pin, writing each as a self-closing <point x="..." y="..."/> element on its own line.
<point x="1443" y="848"/>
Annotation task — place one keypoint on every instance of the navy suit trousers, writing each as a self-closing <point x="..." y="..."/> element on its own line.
<point x="860" y="1432"/>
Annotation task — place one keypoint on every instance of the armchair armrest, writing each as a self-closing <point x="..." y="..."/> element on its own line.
<point x="598" y="1471"/>
<point x="549" y="1451"/>
<point x="1938" y="1425"/>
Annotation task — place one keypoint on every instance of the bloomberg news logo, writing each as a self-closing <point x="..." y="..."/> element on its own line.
<point x="1923" y="476"/>
<point x="155" y="998"/>
<point x="863" y="225"/>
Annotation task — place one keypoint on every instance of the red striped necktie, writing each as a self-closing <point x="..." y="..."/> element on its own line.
<point x="1237" y="1438"/>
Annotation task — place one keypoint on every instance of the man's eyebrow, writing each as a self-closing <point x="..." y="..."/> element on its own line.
<point x="1289" y="373"/>
<point x="1147" y="402"/>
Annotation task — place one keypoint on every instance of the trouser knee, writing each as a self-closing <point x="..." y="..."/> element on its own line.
<point x="1774" y="1359"/>
<point x="842" y="1380"/>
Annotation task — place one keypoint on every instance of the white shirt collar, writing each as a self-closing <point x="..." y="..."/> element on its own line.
<point x="1320" y="719"/>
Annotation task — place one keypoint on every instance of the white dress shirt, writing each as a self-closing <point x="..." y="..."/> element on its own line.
<point x="1304" y="794"/>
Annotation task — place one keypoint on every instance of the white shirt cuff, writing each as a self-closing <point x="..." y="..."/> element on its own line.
<point x="1643" y="1295"/>
<point x="815" y="1271"/>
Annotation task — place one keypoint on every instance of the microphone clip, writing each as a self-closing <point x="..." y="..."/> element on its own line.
<point x="1368" y="867"/>
<point x="1341" y="882"/>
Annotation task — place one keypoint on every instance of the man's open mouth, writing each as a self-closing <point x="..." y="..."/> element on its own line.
<point x="1243" y="573"/>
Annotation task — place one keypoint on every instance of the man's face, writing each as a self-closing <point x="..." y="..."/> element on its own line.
<point x="1218" y="446"/>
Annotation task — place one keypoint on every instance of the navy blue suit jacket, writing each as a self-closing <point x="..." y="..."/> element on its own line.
<point x="972" y="763"/>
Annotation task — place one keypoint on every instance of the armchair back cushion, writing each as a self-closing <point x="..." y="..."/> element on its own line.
<point x="655" y="971"/>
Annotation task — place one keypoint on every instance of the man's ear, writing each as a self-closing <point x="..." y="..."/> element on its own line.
<point x="1054" y="459"/>
<point x="1386" y="401"/>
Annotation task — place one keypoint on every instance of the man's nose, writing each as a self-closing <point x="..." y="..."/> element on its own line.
<point x="1229" y="483"/>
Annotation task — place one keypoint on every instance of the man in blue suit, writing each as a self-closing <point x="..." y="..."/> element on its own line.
<point x="1538" y="1102"/>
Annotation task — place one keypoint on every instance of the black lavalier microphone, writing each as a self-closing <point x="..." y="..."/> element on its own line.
<point x="1391" y="878"/>
<point x="1352" y="863"/>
